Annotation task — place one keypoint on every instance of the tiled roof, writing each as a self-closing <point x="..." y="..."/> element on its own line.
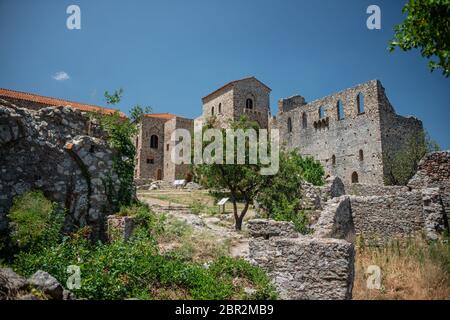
<point x="166" y="116"/>
<point x="231" y="83"/>
<point x="53" y="101"/>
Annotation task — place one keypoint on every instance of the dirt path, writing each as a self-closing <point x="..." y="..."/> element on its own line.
<point x="220" y="226"/>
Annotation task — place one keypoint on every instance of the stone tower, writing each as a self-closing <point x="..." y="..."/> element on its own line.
<point x="247" y="96"/>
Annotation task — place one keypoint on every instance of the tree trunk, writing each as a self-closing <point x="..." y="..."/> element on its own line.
<point x="240" y="218"/>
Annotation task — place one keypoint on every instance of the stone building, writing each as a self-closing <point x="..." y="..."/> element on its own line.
<point x="247" y="96"/>
<point x="350" y="132"/>
<point x="154" y="145"/>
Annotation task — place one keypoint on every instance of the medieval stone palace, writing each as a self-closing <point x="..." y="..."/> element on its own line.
<point x="350" y="132"/>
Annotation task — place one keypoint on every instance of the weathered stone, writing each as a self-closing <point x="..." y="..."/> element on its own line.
<point x="306" y="267"/>
<point x="269" y="228"/>
<point x="10" y="283"/>
<point x="336" y="220"/>
<point x="47" y="284"/>
<point x="120" y="227"/>
<point x="57" y="165"/>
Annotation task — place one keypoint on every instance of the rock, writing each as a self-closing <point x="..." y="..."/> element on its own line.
<point x="11" y="283"/>
<point x="47" y="284"/>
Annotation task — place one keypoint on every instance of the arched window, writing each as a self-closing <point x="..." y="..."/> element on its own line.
<point x="360" y="102"/>
<point x="249" y="104"/>
<point x="361" y="155"/>
<point x="154" y="142"/>
<point x="304" y="120"/>
<point x="220" y="108"/>
<point x="212" y="111"/>
<point x="354" y="177"/>
<point x="321" y="113"/>
<point x="289" y="125"/>
<point x="340" y="110"/>
<point x="333" y="160"/>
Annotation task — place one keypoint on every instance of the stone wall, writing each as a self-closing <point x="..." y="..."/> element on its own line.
<point x="335" y="141"/>
<point x="171" y="170"/>
<point x="229" y="103"/>
<point x="302" y="267"/>
<point x="46" y="150"/>
<point x="434" y="172"/>
<point x="350" y="144"/>
<point x="150" y="161"/>
<point x="360" y="189"/>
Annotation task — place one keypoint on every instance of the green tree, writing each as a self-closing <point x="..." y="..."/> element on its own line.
<point x="242" y="180"/>
<point x="427" y="27"/>
<point x="280" y="194"/>
<point x="401" y="165"/>
<point x="120" y="131"/>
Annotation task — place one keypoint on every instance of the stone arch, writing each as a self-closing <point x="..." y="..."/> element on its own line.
<point x="304" y="120"/>
<point x="212" y="111"/>
<point x="289" y="125"/>
<point x="355" y="178"/>
<point x="321" y="112"/>
<point x="361" y="155"/>
<point x="333" y="160"/>
<point x="340" y="110"/>
<point x="154" y="141"/>
<point x="360" y="102"/>
<point x="220" y="108"/>
<point x="249" y="103"/>
<point x="159" y="174"/>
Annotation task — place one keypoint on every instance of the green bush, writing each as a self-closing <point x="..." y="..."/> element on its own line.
<point x="280" y="194"/>
<point x="132" y="269"/>
<point x="34" y="220"/>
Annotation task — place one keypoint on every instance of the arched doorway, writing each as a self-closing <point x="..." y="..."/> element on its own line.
<point x="159" y="174"/>
<point x="354" y="177"/>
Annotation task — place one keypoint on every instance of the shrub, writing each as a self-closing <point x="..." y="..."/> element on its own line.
<point x="280" y="195"/>
<point x="34" y="220"/>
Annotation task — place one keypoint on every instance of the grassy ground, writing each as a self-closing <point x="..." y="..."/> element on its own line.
<point x="411" y="269"/>
<point x="199" y="201"/>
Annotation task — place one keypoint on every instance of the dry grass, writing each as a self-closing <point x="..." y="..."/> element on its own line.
<point x="180" y="240"/>
<point x="410" y="269"/>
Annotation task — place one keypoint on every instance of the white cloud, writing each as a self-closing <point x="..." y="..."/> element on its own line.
<point x="61" y="76"/>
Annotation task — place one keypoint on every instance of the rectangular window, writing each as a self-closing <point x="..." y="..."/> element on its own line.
<point x="150" y="161"/>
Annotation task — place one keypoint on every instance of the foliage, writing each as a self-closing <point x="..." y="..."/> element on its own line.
<point x="132" y="269"/>
<point x="242" y="180"/>
<point x="34" y="220"/>
<point x="401" y="165"/>
<point x="120" y="131"/>
<point x="427" y="26"/>
<point x="280" y="195"/>
<point x="410" y="269"/>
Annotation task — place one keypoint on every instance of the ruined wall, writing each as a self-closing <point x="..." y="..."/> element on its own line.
<point x="434" y="172"/>
<point x="381" y="218"/>
<point x="171" y="170"/>
<point x="361" y="189"/>
<point x="150" y="161"/>
<point x="46" y="150"/>
<point x="302" y="267"/>
<point x="336" y="138"/>
<point x="396" y="131"/>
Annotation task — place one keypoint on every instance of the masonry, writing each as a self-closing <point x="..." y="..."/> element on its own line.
<point x="50" y="149"/>
<point x="350" y="132"/>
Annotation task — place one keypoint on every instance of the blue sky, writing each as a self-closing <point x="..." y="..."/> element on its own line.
<point x="168" y="54"/>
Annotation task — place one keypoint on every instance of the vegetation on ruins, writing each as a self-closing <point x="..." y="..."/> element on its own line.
<point x="129" y="269"/>
<point x="280" y="196"/>
<point x="426" y="27"/>
<point x="410" y="269"/>
<point x="120" y="131"/>
<point x="401" y="165"/>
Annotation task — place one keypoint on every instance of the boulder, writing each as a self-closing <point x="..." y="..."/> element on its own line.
<point x="47" y="284"/>
<point x="11" y="283"/>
